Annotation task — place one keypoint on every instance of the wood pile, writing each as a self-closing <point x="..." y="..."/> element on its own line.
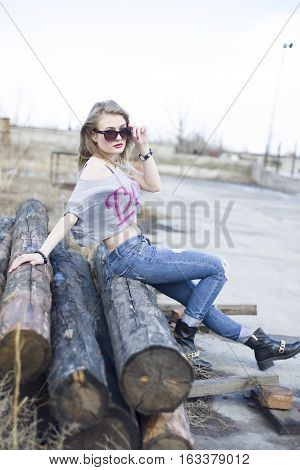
<point x="101" y="348"/>
<point x="111" y="366"/>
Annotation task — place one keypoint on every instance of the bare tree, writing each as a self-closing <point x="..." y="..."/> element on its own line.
<point x="178" y="123"/>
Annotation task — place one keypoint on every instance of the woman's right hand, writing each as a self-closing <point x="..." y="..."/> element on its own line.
<point x="32" y="258"/>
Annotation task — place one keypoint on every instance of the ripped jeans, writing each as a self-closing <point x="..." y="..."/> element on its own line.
<point x="171" y="272"/>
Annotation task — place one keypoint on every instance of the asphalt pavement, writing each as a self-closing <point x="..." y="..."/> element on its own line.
<point x="257" y="231"/>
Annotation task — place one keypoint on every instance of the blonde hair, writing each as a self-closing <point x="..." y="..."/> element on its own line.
<point x="88" y="147"/>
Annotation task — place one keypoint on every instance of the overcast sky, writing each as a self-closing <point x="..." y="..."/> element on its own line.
<point x="157" y="59"/>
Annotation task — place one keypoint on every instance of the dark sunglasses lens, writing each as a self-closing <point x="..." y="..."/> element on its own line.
<point x="110" y="135"/>
<point x="125" y="133"/>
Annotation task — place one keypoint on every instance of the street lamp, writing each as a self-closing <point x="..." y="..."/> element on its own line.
<point x="268" y="146"/>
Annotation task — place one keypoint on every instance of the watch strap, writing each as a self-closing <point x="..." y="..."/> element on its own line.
<point x="42" y="254"/>
<point x="145" y="157"/>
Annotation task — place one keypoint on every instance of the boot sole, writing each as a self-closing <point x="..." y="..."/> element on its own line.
<point x="269" y="362"/>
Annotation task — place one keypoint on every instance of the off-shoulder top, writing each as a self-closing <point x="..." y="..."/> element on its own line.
<point x="104" y="207"/>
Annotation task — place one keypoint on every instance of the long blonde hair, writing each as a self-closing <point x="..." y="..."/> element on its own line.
<point x="88" y="147"/>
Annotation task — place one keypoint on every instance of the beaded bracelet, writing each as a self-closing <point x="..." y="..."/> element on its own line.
<point x="45" y="259"/>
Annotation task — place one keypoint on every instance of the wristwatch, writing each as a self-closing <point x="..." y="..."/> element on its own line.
<point x="145" y="157"/>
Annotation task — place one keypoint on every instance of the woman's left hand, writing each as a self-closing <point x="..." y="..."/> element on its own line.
<point x="139" y="135"/>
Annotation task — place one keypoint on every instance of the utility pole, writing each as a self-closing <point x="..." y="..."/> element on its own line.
<point x="269" y="141"/>
<point x="294" y="160"/>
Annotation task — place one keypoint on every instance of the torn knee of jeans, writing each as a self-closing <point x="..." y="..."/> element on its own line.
<point x="225" y="265"/>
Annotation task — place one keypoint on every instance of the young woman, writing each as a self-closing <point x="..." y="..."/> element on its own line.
<point x="104" y="206"/>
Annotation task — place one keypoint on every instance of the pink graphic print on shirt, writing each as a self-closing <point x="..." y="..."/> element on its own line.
<point x="113" y="200"/>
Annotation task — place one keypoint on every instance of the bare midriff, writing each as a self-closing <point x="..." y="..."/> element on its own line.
<point x="130" y="231"/>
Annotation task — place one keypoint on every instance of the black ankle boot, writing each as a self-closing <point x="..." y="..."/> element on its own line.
<point x="185" y="335"/>
<point x="267" y="350"/>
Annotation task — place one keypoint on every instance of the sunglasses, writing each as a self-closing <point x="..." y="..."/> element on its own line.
<point x="110" y="135"/>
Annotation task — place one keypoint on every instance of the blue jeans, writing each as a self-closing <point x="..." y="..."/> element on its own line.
<point x="171" y="273"/>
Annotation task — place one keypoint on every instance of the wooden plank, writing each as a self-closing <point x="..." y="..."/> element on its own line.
<point x="276" y="396"/>
<point x="233" y="375"/>
<point x="238" y="309"/>
<point x="286" y="422"/>
<point x="220" y="385"/>
<point x="167" y="305"/>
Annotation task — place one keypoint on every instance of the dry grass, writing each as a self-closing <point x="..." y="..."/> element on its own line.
<point x="201" y="373"/>
<point x="15" y="433"/>
<point x="19" y="419"/>
<point x="13" y="161"/>
<point x="202" y="417"/>
<point x="19" y="422"/>
<point x="199" y="411"/>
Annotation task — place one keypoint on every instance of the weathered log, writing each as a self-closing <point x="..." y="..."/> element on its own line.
<point x="77" y="381"/>
<point x="6" y="229"/>
<point x="166" y="431"/>
<point x="27" y="297"/>
<point x="46" y="424"/>
<point x="119" y="427"/>
<point x="154" y="375"/>
<point x="111" y="433"/>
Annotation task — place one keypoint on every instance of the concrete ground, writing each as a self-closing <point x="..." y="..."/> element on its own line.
<point x="250" y="429"/>
<point x="260" y="241"/>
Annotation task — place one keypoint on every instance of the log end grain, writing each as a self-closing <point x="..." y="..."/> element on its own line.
<point x="35" y="354"/>
<point x="80" y="399"/>
<point x="157" y="379"/>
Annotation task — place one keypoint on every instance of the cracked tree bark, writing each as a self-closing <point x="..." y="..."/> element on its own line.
<point x="6" y="232"/>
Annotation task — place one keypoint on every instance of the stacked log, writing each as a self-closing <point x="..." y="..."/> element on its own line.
<point x="6" y="229"/>
<point x="117" y="427"/>
<point x="46" y="424"/>
<point x="166" y="431"/>
<point x="154" y="375"/>
<point x="77" y="381"/>
<point x="26" y="299"/>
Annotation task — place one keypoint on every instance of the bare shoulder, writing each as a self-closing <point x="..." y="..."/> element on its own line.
<point x="94" y="169"/>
